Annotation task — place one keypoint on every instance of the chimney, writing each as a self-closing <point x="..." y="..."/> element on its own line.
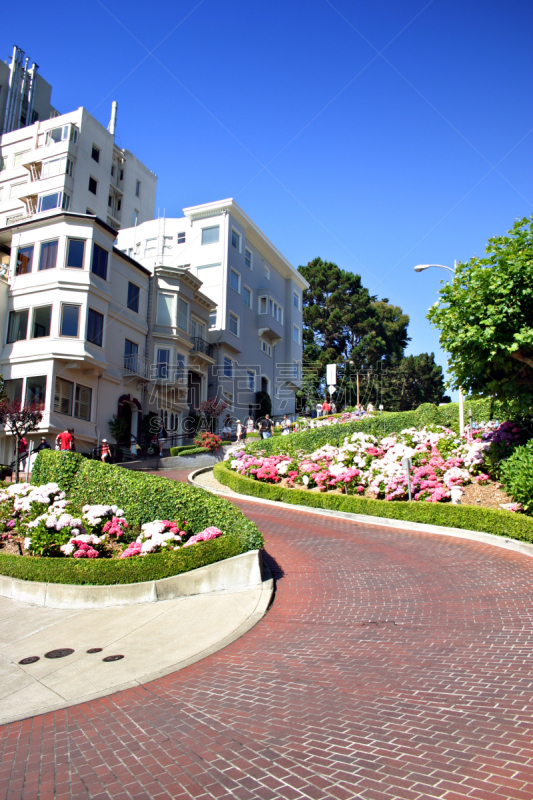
<point x="113" y="121"/>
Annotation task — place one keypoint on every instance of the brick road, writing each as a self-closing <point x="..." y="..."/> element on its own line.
<point x="391" y="665"/>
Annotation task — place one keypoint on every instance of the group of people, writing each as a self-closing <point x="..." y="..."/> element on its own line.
<point x="264" y="425"/>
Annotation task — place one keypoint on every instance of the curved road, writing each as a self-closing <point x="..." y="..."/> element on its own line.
<point x="391" y="665"/>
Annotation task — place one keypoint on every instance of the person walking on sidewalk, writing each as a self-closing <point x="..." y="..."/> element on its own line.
<point x="265" y="427"/>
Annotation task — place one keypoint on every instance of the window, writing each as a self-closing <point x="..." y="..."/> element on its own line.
<point x="119" y="204"/>
<point x="135" y="217"/>
<point x="137" y="188"/>
<point x="267" y="273"/>
<point x="235" y="280"/>
<point x="248" y="258"/>
<point x="167" y="242"/>
<point x="236" y="239"/>
<point x="183" y="315"/>
<point x="250" y="377"/>
<point x="92" y="185"/>
<point x="48" y="257"/>
<point x="295" y="370"/>
<point x="181" y="238"/>
<point x="13" y="390"/>
<point x="99" y="265"/>
<point x="276" y="310"/>
<point x="62" y="134"/>
<point x="296" y="334"/>
<point x="121" y="174"/>
<point x="213" y="319"/>
<point x="133" y="297"/>
<point x="296" y="300"/>
<point x="150" y="245"/>
<point x="110" y="201"/>
<point x="70" y="318"/>
<point x="82" y="404"/>
<point x="263" y="305"/>
<point x="131" y="352"/>
<point x="24" y="260"/>
<point x="95" y="153"/>
<point x="41" y="322"/>
<point x="233" y="323"/>
<point x="180" y="368"/>
<point x="95" y="327"/>
<point x="63" y="396"/>
<point x="163" y="361"/>
<point x="19" y="157"/>
<point x="56" y="166"/>
<point x="36" y="390"/>
<point x="166" y="305"/>
<point x="48" y="202"/>
<point x="18" y="326"/>
<point x="247" y="296"/>
<point x="197" y="329"/>
<point x="265" y="347"/>
<point x="3" y="163"/>
<point x="210" y="235"/>
<point x="228" y="367"/>
<point x="112" y="170"/>
<point x="76" y="250"/>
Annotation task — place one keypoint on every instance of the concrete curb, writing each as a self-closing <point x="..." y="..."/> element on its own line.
<point x="382" y="522"/>
<point x="232" y="574"/>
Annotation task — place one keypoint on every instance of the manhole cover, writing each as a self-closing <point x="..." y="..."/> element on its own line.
<point x="95" y="650"/>
<point x="60" y="653"/>
<point x="29" y="660"/>
<point x="112" y="658"/>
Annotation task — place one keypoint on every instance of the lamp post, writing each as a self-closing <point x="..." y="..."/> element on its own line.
<point x="421" y="268"/>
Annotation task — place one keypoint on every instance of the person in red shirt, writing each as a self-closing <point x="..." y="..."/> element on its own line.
<point x="65" y="440"/>
<point x="326" y="408"/>
<point x="23" y="451"/>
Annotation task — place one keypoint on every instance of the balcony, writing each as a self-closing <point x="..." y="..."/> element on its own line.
<point x="135" y="366"/>
<point x="201" y="353"/>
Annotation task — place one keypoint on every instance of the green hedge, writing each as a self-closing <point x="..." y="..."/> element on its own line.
<point x="191" y="449"/>
<point x="486" y="520"/>
<point x="380" y="425"/>
<point x="143" y="498"/>
<point x="102" y="572"/>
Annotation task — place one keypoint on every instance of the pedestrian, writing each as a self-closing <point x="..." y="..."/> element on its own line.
<point x="133" y="448"/>
<point x="319" y="409"/>
<point x="226" y="428"/>
<point x="285" y="426"/>
<point x="265" y="427"/>
<point x="370" y="408"/>
<point x="105" y="453"/>
<point x="333" y="408"/>
<point x="43" y="445"/>
<point x="240" y="430"/>
<point x="326" y="408"/>
<point x="249" y="425"/>
<point x="23" y="452"/>
<point x="161" y="437"/>
<point x="65" y="440"/>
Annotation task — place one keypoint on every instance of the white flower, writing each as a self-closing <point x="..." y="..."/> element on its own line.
<point x="305" y="479"/>
<point x="27" y="543"/>
<point x="68" y="548"/>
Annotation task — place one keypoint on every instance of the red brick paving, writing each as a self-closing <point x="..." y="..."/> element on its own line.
<point x="391" y="666"/>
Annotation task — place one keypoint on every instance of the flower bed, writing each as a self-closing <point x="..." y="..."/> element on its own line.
<point x="81" y="526"/>
<point x="442" y="463"/>
<point x="484" y="520"/>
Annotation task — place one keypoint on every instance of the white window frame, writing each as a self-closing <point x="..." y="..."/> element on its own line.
<point x="266" y="348"/>
<point x="235" y="316"/>
<point x="234" y="272"/>
<point x="212" y="327"/>
<point x="244" y="290"/>
<point x="173" y="313"/>
<point x="265" y="298"/>
<point x="180" y="238"/>
<point x="250" y="378"/>
<point x="297" y="297"/>
<point x="296" y="330"/>
<point x="272" y="306"/>
<point x="225" y="363"/>
<point x="209" y="228"/>
<point x="267" y="272"/>
<point x="150" y="249"/>
<point x="239" y="239"/>
<point x="248" y="252"/>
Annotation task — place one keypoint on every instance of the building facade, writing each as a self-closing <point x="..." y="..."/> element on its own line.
<point x="256" y="328"/>
<point x="72" y="163"/>
<point x="25" y="96"/>
<point x="75" y="314"/>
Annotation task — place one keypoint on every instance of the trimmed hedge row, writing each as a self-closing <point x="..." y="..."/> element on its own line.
<point x="485" y="520"/>
<point x="143" y="498"/>
<point x="102" y="572"/>
<point x="191" y="449"/>
<point x="379" y="425"/>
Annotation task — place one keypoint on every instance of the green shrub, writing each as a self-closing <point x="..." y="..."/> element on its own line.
<point x="487" y="520"/>
<point x="148" y="497"/>
<point x="516" y="474"/>
<point x="57" y="466"/>
<point x="102" y="572"/>
<point x="191" y="450"/>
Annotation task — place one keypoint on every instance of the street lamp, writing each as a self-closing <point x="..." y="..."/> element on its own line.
<point x="421" y="268"/>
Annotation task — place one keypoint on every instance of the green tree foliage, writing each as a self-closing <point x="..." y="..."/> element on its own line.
<point x="416" y="380"/>
<point x="485" y="317"/>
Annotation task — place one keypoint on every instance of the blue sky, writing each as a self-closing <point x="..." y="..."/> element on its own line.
<point x="375" y="134"/>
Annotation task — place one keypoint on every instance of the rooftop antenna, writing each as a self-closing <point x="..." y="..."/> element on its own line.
<point x="113" y="121"/>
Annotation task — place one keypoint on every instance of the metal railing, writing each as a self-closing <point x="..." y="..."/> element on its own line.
<point x="200" y="345"/>
<point x="135" y="365"/>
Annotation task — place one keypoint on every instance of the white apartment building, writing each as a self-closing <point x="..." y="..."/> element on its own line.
<point x="25" y="96"/>
<point x="74" y="326"/>
<point x="256" y="329"/>
<point x="72" y="163"/>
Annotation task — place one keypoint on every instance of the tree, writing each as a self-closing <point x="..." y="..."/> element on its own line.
<point x="416" y="380"/>
<point x="211" y="410"/>
<point x="20" y="420"/>
<point x="485" y="317"/>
